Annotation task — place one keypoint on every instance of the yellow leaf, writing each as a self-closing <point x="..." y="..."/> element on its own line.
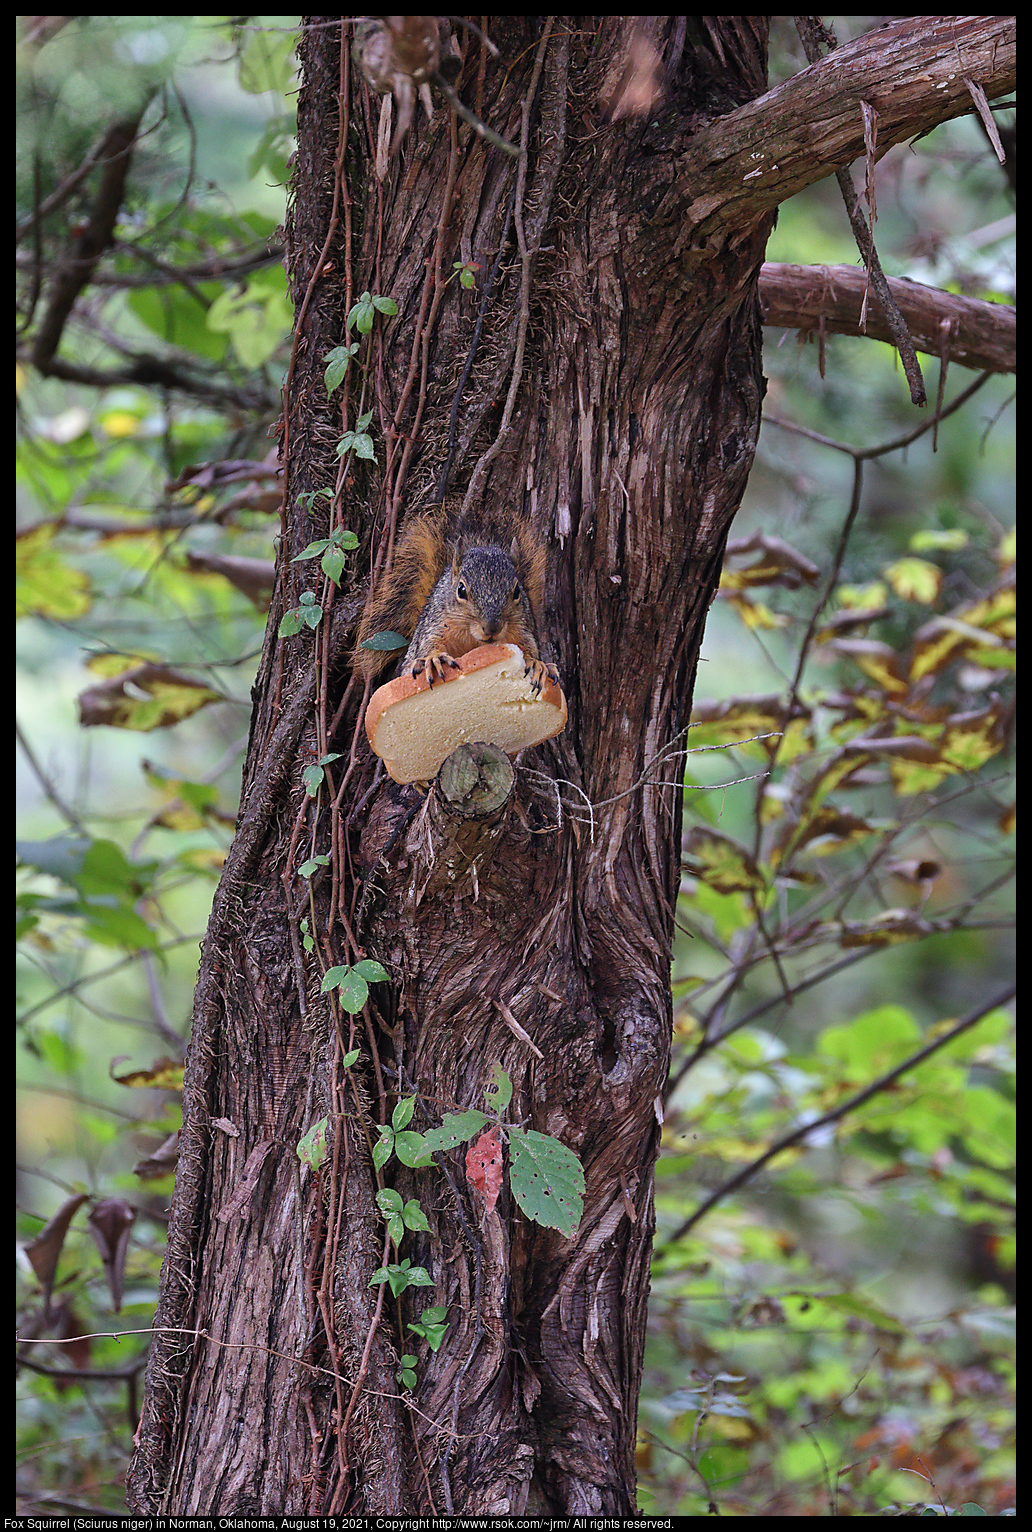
<point x="118" y="423"/>
<point x="915" y="579"/>
<point x="45" y="584"/>
<point x="164" y="1074"/>
<point x="144" y="697"/>
<point x="721" y="862"/>
<point x="756" y="614"/>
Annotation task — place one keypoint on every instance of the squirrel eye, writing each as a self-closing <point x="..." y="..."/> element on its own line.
<point x="516" y="593"/>
<point x="460" y="591"/>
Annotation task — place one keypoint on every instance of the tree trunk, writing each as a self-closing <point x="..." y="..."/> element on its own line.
<point x="603" y="377"/>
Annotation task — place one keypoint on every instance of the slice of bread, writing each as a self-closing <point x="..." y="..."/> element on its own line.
<point x="413" y="727"/>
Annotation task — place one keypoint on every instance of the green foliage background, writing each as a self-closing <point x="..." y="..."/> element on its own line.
<point x="834" y="1335"/>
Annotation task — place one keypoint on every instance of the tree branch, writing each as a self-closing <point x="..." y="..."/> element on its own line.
<point x="829" y="299"/>
<point x="798" y="1135"/>
<point x="161" y="372"/>
<point x="914" y="73"/>
<point x="115" y="154"/>
<point x="219" y="268"/>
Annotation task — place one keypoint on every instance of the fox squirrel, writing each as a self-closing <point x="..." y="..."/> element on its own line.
<point x="451" y="589"/>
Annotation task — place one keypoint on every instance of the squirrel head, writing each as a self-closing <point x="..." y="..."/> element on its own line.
<point x="487" y="581"/>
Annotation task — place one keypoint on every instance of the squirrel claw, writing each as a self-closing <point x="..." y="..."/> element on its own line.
<point x="434" y="665"/>
<point x="540" y="672"/>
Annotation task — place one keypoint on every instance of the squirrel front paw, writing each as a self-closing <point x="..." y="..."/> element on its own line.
<point x="540" y="672"/>
<point x="434" y="665"/>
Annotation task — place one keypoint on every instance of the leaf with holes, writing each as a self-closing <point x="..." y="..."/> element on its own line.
<point x="547" y="1180"/>
<point x="456" y="1128"/>
<point x="484" y="1166"/>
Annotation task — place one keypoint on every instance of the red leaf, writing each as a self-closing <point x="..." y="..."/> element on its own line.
<point x="484" y="1166"/>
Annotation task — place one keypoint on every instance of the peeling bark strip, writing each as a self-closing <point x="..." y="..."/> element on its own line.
<point x="609" y="361"/>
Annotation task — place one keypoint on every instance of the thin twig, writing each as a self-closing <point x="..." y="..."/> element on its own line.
<point x="842" y="1110"/>
<point x="811" y="37"/>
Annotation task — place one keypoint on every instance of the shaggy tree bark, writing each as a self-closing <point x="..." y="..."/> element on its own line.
<point x="604" y="379"/>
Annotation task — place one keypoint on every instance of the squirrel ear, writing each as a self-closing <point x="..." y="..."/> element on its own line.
<point x="514" y="551"/>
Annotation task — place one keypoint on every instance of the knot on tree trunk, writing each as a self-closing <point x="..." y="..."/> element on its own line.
<point x="456" y="832"/>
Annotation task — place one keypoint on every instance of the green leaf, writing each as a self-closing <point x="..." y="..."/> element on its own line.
<point x="311" y="611"/>
<point x="362" y="315"/>
<point x="435" y="1315"/>
<point x="358" y="443"/>
<point x="386" y="640"/>
<point x="950" y="538"/>
<point x="116" y="926"/>
<point x="384" y="1147"/>
<point x="308" y="612"/>
<point x="61" y="857"/>
<point x="312" y="777"/>
<point x="871" y="1043"/>
<point x="857" y="1308"/>
<point x="312" y="1149"/>
<point x="333" y="564"/>
<point x="266" y="61"/>
<point x="337" y="362"/>
<point x="106" y="882"/>
<point x="257" y="319"/>
<point x="312" y="551"/>
<point x="547" y="1180"/>
<point x="456" y="1128"/>
<point x="402" y="1114"/>
<point x="353" y="994"/>
<point x="431" y="1325"/>
<point x="372" y="971"/>
<point x="414" y="1217"/>
<point x="401" y="1276"/>
<point x="272" y="151"/>
<point x="499" y="1090"/>
<point x="411" y="1149"/>
<point x="420" y="1277"/>
<point x="178" y="318"/>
